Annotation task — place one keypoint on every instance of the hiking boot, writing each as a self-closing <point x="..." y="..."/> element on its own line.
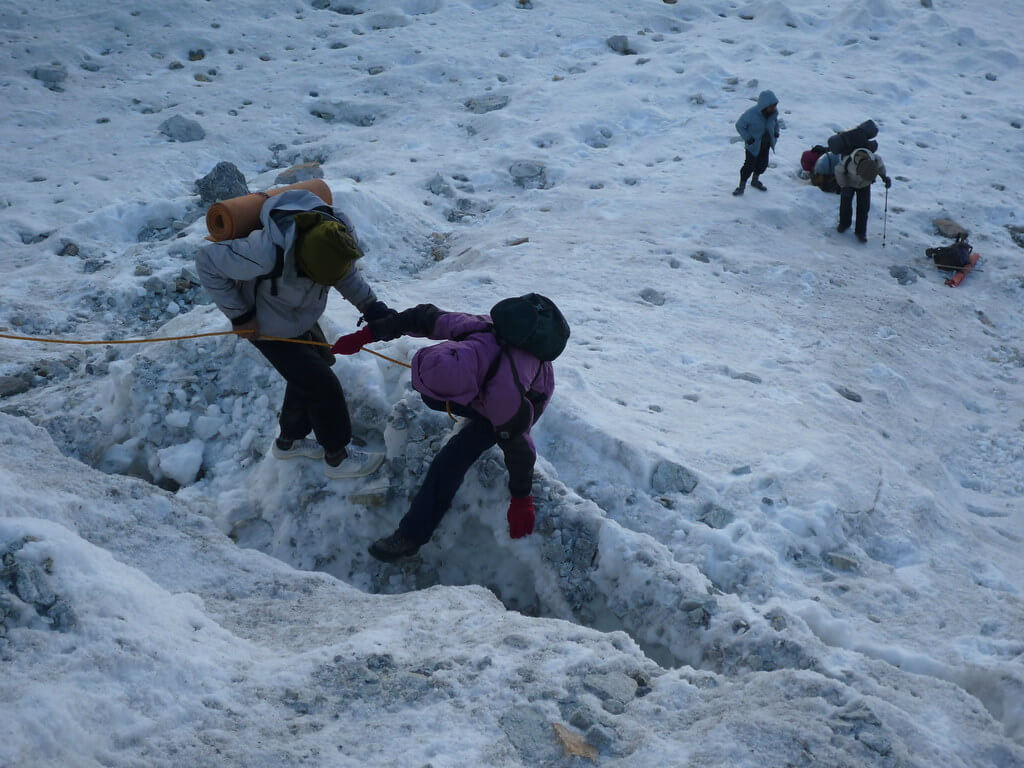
<point x="350" y="462"/>
<point x="862" y="238"/>
<point x="297" y="449"/>
<point x="758" y="185"/>
<point x="393" y="547"/>
<point x="842" y="228"/>
<point x="738" y="191"/>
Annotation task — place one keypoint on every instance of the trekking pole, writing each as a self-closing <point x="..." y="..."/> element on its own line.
<point x="885" y="215"/>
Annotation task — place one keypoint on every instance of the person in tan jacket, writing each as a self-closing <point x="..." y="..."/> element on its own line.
<point x="855" y="174"/>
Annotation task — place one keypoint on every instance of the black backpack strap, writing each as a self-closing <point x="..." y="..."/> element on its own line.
<point x="273" y="274"/>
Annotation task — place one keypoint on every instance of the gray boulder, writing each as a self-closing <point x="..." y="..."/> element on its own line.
<point x="222" y="183"/>
<point x="182" y="129"/>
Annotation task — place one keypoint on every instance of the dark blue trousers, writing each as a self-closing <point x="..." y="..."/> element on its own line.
<point x="313" y="398"/>
<point x="446" y="473"/>
<point x="846" y="195"/>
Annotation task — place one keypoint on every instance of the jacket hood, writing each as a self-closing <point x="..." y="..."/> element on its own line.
<point x="447" y="371"/>
<point x="766" y="99"/>
<point x="294" y="200"/>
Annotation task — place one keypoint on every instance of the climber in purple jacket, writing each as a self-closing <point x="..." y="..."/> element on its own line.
<point x="502" y="391"/>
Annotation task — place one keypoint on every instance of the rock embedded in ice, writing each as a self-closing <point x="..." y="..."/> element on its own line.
<point x="611" y="685"/>
<point x="51" y="75"/>
<point x="620" y="44"/>
<point x="490" y="102"/>
<point x="300" y="172"/>
<point x="669" y="477"/>
<point x="182" y="129"/>
<point x="528" y="175"/>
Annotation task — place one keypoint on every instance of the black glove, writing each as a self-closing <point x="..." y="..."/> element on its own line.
<point x="750" y="141"/>
<point x="378" y="310"/>
<point x="887" y="181"/>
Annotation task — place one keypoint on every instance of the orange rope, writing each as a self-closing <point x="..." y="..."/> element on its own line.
<point x="190" y="336"/>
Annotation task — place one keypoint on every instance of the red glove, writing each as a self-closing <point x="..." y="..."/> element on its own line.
<point x="349" y="345"/>
<point x="520" y="517"/>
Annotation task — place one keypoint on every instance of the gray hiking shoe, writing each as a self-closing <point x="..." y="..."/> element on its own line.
<point x="393" y="547"/>
<point x="351" y="462"/>
<point x="297" y="449"/>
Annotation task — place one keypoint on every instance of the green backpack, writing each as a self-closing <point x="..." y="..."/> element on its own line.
<point x="532" y="323"/>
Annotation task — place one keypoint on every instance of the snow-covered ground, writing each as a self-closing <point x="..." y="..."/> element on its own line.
<point x="779" y="487"/>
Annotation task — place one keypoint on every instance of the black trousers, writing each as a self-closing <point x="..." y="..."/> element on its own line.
<point x="846" y="195"/>
<point x="313" y="398"/>
<point x="446" y="473"/>
<point x="756" y="164"/>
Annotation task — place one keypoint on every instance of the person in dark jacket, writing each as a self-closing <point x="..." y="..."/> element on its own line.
<point x="275" y="283"/>
<point x="501" y="391"/>
<point x="855" y="174"/>
<point x="759" y="129"/>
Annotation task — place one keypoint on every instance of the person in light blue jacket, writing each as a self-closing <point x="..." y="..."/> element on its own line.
<point x="759" y="129"/>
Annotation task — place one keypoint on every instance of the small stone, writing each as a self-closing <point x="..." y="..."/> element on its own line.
<point x="143" y="270"/>
<point x="196" y="55"/>
<point x="620" y="44"/>
<point x="715" y="516"/>
<point x="841" y="562"/>
<point x="611" y="685"/>
<point x="991" y="76"/>
<point x="849" y="394"/>
<point x="488" y="103"/>
<point x="652" y="296"/>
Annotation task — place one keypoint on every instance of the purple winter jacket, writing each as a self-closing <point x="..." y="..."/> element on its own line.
<point x="455" y="371"/>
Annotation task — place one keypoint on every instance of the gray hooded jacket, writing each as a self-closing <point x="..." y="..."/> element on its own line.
<point x="229" y="272"/>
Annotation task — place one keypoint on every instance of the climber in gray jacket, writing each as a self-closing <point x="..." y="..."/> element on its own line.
<point x="275" y="282"/>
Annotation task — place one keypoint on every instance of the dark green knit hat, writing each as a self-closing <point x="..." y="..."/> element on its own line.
<point x="326" y="250"/>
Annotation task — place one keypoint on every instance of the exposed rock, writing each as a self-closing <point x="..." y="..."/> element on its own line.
<point x="841" y="562"/>
<point x="182" y="129"/>
<point x="438" y="186"/>
<point x="715" y="516"/>
<point x="652" y="296"/>
<point x="849" y="394"/>
<point x="611" y="685"/>
<point x="1016" y="234"/>
<point x="300" y="172"/>
<point x="13" y="385"/>
<point x="620" y="44"/>
<point x="669" y="477"/>
<point x="949" y="228"/>
<point x="222" y="183"/>
<point x="51" y="75"/>
<point x="528" y="175"/>
<point x="361" y="115"/>
<point x="486" y="103"/>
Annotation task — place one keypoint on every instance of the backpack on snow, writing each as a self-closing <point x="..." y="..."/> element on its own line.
<point x="953" y="256"/>
<point x="810" y="157"/>
<point x="532" y="323"/>
<point x="844" y="142"/>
